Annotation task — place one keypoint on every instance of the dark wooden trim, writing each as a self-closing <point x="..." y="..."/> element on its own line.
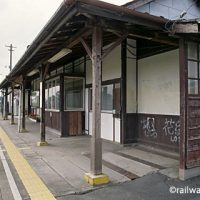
<point x="29" y="102"/>
<point x="87" y="47"/>
<point x="137" y="71"/>
<point x="159" y="129"/>
<point x="183" y="103"/>
<point x="123" y="90"/>
<point x="107" y="82"/>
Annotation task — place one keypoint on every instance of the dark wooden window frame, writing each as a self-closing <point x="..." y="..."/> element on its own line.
<point x="198" y="68"/>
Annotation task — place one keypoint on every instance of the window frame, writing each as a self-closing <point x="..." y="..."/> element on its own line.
<point x="115" y="109"/>
<point x="57" y="78"/>
<point x="83" y="98"/>
<point x="197" y="61"/>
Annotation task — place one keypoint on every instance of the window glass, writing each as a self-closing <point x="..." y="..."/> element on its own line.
<point x="192" y="86"/>
<point x="192" y="50"/>
<point x="52" y="94"/>
<point x="73" y="93"/>
<point x="35" y="99"/>
<point x="107" y="98"/>
<point x="116" y="98"/>
<point x="60" y="70"/>
<point x="57" y="94"/>
<point x="192" y="69"/>
<point x="79" y="65"/>
<point x="68" y="68"/>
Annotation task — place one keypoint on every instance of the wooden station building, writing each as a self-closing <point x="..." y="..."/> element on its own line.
<point x="121" y="73"/>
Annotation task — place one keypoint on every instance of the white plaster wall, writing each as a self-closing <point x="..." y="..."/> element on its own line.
<point x="117" y="129"/>
<point x="107" y="126"/>
<point x="131" y="78"/>
<point x="111" y="66"/>
<point x="158" y="84"/>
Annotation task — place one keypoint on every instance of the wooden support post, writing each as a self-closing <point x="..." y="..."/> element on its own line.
<point x="96" y="157"/>
<point x="5" y="110"/>
<point x="64" y="133"/>
<point x="42" y="107"/>
<point x="123" y="90"/>
<point x="20" y="110"/>
<point x="183" y="103"/>
<point x="23" y="101"/>
<point x="12" y="107"/>
<point x="95" y="176"/>
<point x="22" y="113"/>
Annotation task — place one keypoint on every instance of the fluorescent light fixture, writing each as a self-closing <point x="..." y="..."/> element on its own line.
<point x="59" y="55"/>
<point x="35" y="71"/>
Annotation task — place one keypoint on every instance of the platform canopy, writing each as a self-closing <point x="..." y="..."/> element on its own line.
<point x="74" y="21"/>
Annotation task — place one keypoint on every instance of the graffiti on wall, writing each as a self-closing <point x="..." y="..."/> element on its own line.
<point x="172" y="129"/>
<point x="148" y="126"/>
<point x="161" y="129"/>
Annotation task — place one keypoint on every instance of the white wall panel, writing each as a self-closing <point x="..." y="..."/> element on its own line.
<point x="107" y="126"/>
<point x="158" y="84"/>
<point x="117" y="130"/>
<point x="111" y="66"/>
<point x="131" y="78"/>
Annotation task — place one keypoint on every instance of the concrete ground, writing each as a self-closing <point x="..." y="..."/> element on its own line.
<point x="62" y="164"/>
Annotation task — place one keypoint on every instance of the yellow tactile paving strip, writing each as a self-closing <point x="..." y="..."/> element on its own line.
<point x="33" y="184"/>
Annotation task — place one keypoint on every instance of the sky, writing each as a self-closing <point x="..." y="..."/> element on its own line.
<point x="21" y="21"/>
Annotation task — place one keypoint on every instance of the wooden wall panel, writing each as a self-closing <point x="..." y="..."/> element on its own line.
<point x="162" y="130"/>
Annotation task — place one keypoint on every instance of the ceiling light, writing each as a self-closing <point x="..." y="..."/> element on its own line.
<point x="59" y="55"/>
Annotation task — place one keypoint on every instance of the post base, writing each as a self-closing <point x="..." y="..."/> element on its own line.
<point x="12" y="123"/>
<point x="23" y="130"/>
<point x="42" y="144"/>
<point x="96" y="179"/>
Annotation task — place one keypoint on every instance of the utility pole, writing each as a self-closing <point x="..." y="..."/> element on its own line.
<point x="10" y="49"/>
<point x="11" y="102"/>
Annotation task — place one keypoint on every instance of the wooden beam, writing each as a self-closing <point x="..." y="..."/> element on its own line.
<point x="186" y="28"/>
<point x="87" y="47"/>
<point x="114" y="45"/>
<point x="69" y="44"/>
<point x="46" y="69"/>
